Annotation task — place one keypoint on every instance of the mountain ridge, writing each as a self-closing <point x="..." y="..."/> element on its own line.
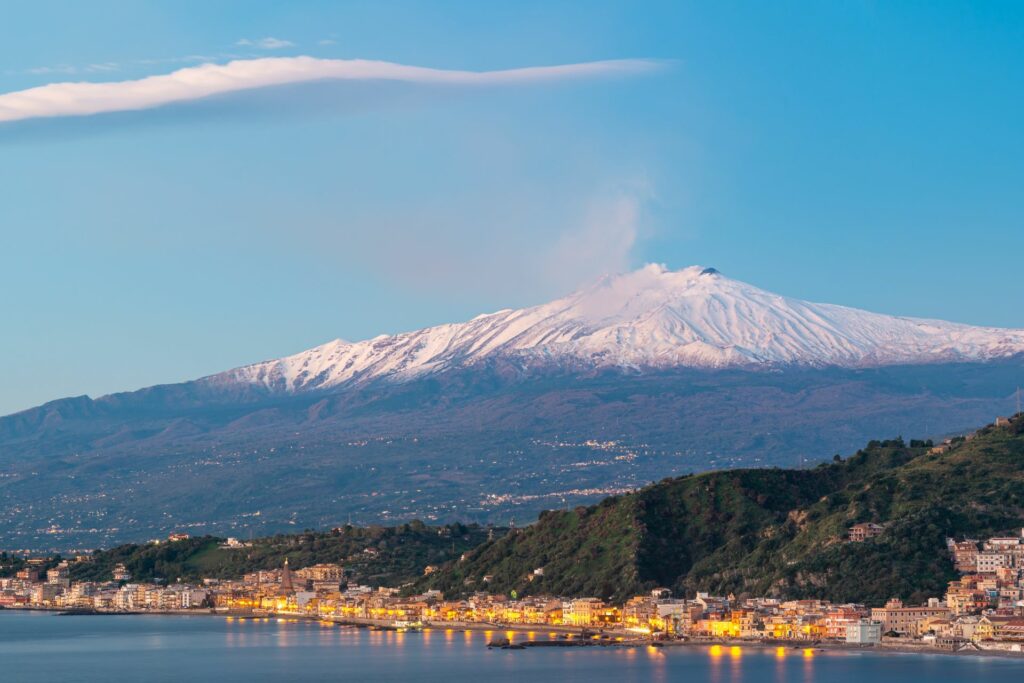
<point x="651" y="318"/>
<point x="504" y="435"/>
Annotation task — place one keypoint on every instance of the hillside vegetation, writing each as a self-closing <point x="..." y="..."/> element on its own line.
<point x="389" y="453"/>
<point x="379" y="555"/>
<point x="771" y="531"/>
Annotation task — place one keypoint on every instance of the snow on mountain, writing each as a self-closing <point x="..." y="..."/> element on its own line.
<point x="650" y="318"/>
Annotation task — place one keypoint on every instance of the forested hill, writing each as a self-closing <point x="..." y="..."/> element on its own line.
<point x="771" y="531"/>
<point x="376" y="555"/>
<point x="748" y="531"/>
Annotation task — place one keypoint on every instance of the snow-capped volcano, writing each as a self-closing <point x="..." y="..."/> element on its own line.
<point x="647" y="319"/>
<point x="346" y="428"/>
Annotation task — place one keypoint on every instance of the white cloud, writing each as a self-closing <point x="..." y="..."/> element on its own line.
<point x="268" y="43"/>
<point x="193" y="83"/>
<point x="173" y="60"/>
<point x="71" y="69"/>
<point x="59" y="69"/>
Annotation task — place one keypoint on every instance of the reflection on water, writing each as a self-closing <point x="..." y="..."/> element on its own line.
<point x="737" y="667"/>
<point x="716" y="663"/>
<point x="658" y="664"/>
<point x="44" y="648"/>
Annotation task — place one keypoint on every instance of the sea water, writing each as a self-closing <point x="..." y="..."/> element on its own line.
<point x="46" y="647"/>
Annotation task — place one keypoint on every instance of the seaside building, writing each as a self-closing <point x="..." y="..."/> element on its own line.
<point x="864" y="632"/>
<point x="897" y="618"/>
<point x="1002" y="628"/>
<point x="983" y="609"/>
<point x="838" y="619"/>
<point x="638" y="612"/>
<point x="59" y="575"/>
<point x="589" y="612"/>
<point x="45" y="593"/>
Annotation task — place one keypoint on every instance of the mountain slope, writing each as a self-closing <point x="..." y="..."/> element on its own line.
<point x="650" y="318"/>
<point x="771" y="531"/>
<point x="641" y="376"/>
<point x="389" y="556"/>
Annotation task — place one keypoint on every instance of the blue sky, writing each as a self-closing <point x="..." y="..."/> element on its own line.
<point x="862" y="153"/>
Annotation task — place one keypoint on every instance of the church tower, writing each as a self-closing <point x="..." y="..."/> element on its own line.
<point x="287" y="587"/>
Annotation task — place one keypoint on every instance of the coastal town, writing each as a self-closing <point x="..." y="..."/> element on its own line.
<point x="981" y="611"/>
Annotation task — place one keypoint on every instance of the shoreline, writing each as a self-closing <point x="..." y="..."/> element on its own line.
<point x="609" y="637"/>
<point x="881" y="648"/>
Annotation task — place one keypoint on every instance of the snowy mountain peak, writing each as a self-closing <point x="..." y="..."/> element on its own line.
<point x="650" y="318"/>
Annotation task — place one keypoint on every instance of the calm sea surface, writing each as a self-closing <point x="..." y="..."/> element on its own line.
<point x="46" y="647"/>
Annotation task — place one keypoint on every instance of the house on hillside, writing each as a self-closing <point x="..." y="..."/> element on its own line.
<point x="865" y="530"/>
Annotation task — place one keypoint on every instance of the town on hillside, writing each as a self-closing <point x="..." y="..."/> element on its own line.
<point x="982" y="610"/>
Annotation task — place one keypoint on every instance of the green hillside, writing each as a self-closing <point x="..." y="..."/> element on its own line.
<point x="378" y="555"/>
<point x="771" y="531"/>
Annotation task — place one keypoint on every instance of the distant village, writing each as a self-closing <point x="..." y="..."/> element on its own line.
<point x="982" y="610"/>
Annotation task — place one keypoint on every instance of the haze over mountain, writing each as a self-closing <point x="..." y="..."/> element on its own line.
<point x="636" y="377"/>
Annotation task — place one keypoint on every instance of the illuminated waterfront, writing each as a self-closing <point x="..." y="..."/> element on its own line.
<point x="46" y="647"/>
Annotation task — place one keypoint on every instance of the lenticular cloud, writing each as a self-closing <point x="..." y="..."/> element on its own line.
<point x="192" y="83"/>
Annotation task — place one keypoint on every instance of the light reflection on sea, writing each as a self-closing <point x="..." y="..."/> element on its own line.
<point x="94" y="649"/>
